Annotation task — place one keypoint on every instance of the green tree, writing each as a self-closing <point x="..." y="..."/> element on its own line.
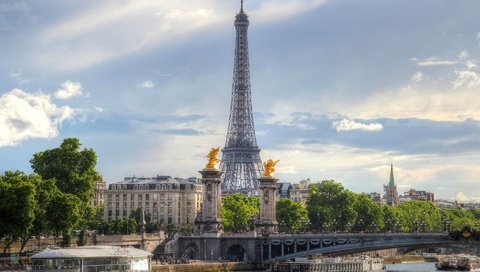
<point x="460" y="218"/>
<point x="330" y="206"/>
<point x="45" y="189"/>
<point x="73" y="169"/>
<point x="291" y="215"/>
<point x="421" y="215"/>
<point x="369" y="214"/>
<point x="237" y="212"/>
<point x="64" y="214"/>
<point x="394" y="219"/>
<point x="17" y="206"/>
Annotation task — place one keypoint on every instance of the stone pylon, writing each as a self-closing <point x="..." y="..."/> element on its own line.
<point x="209" y="220"/>
<point x="267" y="221"/>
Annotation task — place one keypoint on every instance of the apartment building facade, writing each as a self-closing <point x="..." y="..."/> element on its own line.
<point x="168" y="200"/>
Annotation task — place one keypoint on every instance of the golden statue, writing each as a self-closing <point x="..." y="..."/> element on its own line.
<point x="212" y="157"/>
<point x="269" y="167"/>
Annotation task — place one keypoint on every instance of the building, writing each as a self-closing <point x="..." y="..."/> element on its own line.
<point x="99" y="194"/>
<point x="391" y="193"/>
<point x="92" y="259"/>
<point x="284" y="189"/>
<point x="299" y="192"/>
<point x="168" y="200"/>
<point x="377" y="198"/>
<point x="413" y="194"/>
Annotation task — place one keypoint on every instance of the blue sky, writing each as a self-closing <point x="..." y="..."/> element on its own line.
<point x="341" y="88"/>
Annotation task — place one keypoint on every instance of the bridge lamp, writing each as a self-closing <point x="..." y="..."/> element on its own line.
<point x="388" y="223"/>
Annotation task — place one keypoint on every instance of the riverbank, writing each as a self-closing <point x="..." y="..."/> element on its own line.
<point x="409" y="259"/>
<point x="200" y="266"/>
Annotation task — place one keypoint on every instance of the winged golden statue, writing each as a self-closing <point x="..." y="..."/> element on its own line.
<point x="269" y="167"/>
<point x="212" y="157"/>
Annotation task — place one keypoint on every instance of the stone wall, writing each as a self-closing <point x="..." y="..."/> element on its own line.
<point x="211" y="267"/>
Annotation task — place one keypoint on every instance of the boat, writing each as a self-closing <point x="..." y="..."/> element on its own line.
<point x="458" y="263"/>
<point x="332" y="264"/>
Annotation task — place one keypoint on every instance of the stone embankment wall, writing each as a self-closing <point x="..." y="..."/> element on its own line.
<point x="210" y="267"/>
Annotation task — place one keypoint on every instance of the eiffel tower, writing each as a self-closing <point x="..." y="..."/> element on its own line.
<point x="241" y="155"/>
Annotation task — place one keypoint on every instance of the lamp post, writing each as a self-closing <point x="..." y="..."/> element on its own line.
<point x="388" y="222"/>
<point x="318" y="221"/>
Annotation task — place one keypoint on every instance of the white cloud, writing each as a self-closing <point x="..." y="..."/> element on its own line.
<point x="348" y="125"/>
<point x="417" y="77"/>
<point x="463" y="198"/>
<point x="463" y="55"/>
<point x="471" y="64"/>
<point x="69" y="89"/>
<point x="433" y="61"/>
<point x="146" y="84"/>
<point x="25" y="116"/>
<point x="466" y="78"/>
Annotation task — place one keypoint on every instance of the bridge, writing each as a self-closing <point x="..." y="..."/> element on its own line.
<point x="264" y="244"/>
<point x="281" y="247"/>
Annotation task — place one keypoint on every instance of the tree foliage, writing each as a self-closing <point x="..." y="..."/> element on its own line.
<point x="73" y="169"/>
<point x="17" y="206"/>
<point x="421" y="215"/>
<point x="369" y="214"/>
<point x="330" y="206"/>
<point x="291" y="215"/>
<point x="238" y="211"/>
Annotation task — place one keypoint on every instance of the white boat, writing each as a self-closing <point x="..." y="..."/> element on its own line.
<point x="337" y="264"/>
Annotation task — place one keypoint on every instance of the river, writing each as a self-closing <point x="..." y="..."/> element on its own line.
<point x="411" y="267"/>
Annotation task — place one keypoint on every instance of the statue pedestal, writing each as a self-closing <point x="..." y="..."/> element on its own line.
<point x="267" y="222"/>
<point x="209" y="220"/>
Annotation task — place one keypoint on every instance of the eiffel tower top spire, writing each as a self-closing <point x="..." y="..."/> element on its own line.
<point x="241" y="160"/>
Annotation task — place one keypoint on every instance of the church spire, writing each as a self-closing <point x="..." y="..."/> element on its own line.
<point x="392" y="180"/>
<point x="241" y="6"/>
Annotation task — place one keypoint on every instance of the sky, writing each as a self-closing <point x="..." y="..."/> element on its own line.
<point x="340" y="88"/>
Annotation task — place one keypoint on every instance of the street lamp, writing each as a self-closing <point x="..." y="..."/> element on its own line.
<point x="388" y="222"/>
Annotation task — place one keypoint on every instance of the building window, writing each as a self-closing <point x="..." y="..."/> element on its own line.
<point x="124" y="197"/>
<point x="124" y="213"/>
<point x="109" y="212"/>
<point x="117" y="196"/>
<point x="117" y="213"/>
<point x="139" y="204"/>
<point x="147" y="197"/>
<point x="140" y="197"/>
<point x="124" y="205"/>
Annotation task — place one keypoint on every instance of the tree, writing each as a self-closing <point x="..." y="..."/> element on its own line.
<point x="64" y="214"/>
<point x="237" y="212"/>
<point x="369" y="212"/>
<point x="291" y="215"/>
<point x="17" y="206"/>
<point x="330" y="206"/>
<point x="73" y="170"/>
<point x="394" y="219"/>
<point x="421" y="215"/>
<point x="460" y="218"/>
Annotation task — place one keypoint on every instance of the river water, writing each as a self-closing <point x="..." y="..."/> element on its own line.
<point x="411" y="267"/>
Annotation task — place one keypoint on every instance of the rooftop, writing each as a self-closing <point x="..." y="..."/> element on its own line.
<point x="91" y="252"/>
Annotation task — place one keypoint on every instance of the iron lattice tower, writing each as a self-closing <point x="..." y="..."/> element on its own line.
<point x="241" y="155"/>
